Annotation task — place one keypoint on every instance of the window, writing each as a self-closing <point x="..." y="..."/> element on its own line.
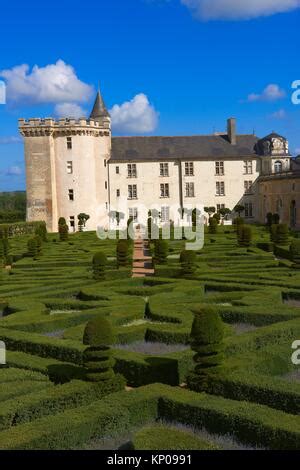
<point x="133" y="213"/>
<point x="248" y="209"/>
<point x="220" y="188"/>
<point x="131" y="170"/>
<point x="132" y="192"/>
<point x="278" y="166"/>
<point x="118" y="193"/>
<point x="248" y="167"/>
<point x="164" y="190"/>
<point x="117" y="170"/>
<point x="70" y="167"/>
<point x="72" y="222"/>
<point x="189" y="190"/>
<point x="219" y="168"/>
<point x="69" y="143"/>
<point x="105" y="163"/>
<point x="165" y="214"/>
<point x="189" y="168"/>
<point x="220" y="206"/>
<point x="248" y="187"/>
<point x="164" y="169"/>
<point x="71" y="194"/>
<point x="105" y="184"/>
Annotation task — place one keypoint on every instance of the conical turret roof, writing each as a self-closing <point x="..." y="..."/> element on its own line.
<point x="99" y="109"/>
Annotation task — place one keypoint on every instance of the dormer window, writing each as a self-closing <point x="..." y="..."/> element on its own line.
<point x="278" y="166"/>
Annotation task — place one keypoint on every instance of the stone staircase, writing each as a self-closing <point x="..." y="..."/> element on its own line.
<point x="142" y="265"/>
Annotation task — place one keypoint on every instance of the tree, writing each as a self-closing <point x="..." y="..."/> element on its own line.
<point x="61" y="221"/>
<point x="295" y="253"/>
<point x="188" y="262"/>
<point x="210" y="210"/>
<point x="161" y="248"/>
<point x="41" y="230"/>
<point x="97" y="358"/>
<point x="213" y="225"/>
<point x="82" y="220"/>
<point x="207" y="341"/>
<point x="224" y="212"/>
<point x="99" y="264"/>
<point x="239" y="208"/>
<point x="63" y="230"/>
<point x="269" y="217"/>
<point x="32" y="247"/>
<point x="122" y="253"/>
<point x="244" y="235"/>
<point x="282" y="237"/>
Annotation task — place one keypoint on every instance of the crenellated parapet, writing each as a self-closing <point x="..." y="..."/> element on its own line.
<point x="36" y="127"/>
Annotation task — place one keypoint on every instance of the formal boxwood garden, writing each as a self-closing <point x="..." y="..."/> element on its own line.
<point x="64" y="386"/>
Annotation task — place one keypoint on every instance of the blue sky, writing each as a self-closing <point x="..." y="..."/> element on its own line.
<point x="165" y="67"/>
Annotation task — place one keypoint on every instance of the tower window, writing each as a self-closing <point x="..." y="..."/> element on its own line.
<point x="105" y="184"/>
<point x="70" y="167"/>
<point x="69" y="143"/>
<point x="118" y="193"/>
<point x="164" y="169"/>
<point x="220" y="188"/>
<point x="71" y="194"/>
<point x="249" y="209"/>
<point x="131" y="170"/>
<point x="278" y="166"/>
<point x="189" y="168"/>
<point x="219" y="168"/>
<point x="117" y="170"/>
<point x="248" y="187"/>
<point x="248" y="168"/>
<point x="189" y="190"/>
<point x="133" y="213"/>
<point x="132" y="191"/>
<point x="164" y="190"/>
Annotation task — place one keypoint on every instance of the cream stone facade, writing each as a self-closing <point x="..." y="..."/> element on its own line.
<point x="75" y="166"/>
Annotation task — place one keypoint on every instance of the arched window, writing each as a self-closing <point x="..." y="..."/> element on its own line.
<point x="278" y="166"/>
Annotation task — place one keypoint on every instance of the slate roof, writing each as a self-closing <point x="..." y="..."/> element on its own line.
<point x="99" y="109"/>
<point x="189" y="147"/>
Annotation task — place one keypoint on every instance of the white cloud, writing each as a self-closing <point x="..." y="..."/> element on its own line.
<point x="280" y="114"/>
<point x="272" y="92"/>
<point x="54" y="83"/>
<point x="238" y="9"/>
<point x="69" y="110"/>
<point x="137" y="115"/>
<point x="12" y="139"/>
<point x="14" y="171"/>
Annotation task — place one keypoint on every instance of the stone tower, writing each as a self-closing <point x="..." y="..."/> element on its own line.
<point x="66" y="168"/>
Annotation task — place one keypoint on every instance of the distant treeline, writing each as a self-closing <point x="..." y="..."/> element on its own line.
<point x="12" y="206"/>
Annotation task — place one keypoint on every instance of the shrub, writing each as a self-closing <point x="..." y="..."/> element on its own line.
<point x="32" y="247"/>
<point x="122" y="253"/>
<point x="282" y="237"/>
<point x="161" y="248"/>
<point x="63" y="232"/>
<point x="61" y="221"/>
<point x="217" y="216"/>
<point x="273" y="233"/>
<point x="244" y="235"/>
<point x="41" y="230"/>
<point x="276" y="218"/>
<point x="99" y="263"/>
<point x="238" y="222"/>
<point x="207" y="341"/>
<point x="97" y="358"/>
<point x="295" y="252"/>
<point x="38" y="243"/>
<point x="188" y="261"/>
<point x="213" y="225"/>
<point x="269" y="217"/>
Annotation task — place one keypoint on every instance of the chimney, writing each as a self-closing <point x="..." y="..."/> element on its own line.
<point x="231" y="130"/>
